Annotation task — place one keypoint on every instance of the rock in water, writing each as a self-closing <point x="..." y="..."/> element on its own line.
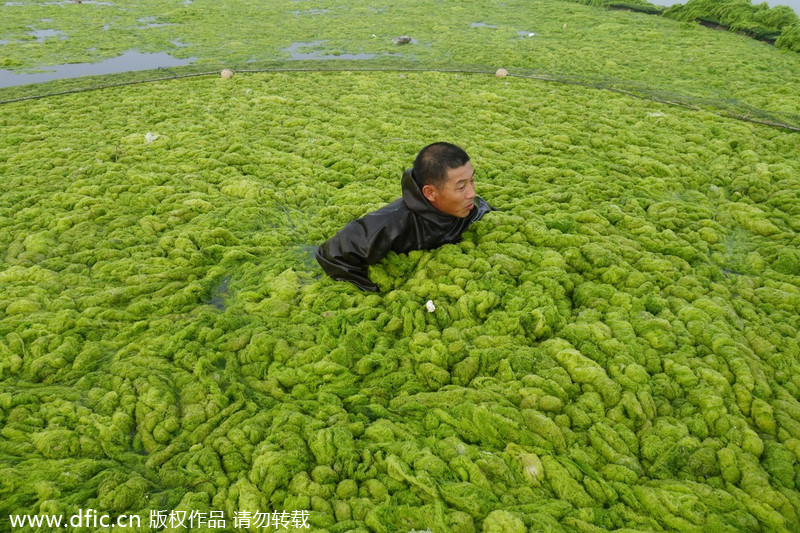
<point x="403" y="39"/>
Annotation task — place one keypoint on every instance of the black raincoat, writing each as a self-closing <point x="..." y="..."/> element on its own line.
<point x="409" y="223"/>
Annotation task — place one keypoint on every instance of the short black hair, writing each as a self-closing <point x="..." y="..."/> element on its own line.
<point x="433" y="161"/>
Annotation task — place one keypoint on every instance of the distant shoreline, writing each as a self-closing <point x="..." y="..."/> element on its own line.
<point x="794" y="4"/>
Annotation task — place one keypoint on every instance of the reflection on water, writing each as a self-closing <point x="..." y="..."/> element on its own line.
<point x="150" y="22"/>
<point x="41" y="35"/>
<point x="127" y="62"/>
<point x="481" y="25"/>
<point x="294" y="52"/>
<point x="310" y="12"/>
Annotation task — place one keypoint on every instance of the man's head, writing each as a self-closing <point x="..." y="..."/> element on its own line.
<point x="445" y="175"/>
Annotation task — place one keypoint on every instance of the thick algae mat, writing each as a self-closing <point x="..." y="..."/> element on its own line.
<point x="617" y="347"/>
<point x="674" y="61"/>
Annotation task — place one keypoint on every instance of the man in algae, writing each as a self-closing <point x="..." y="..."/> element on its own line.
<point x="438" y="204"/>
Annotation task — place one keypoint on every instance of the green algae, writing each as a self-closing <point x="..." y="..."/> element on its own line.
<point x="585" y="44"/>
<point x="759" y="21"/>
<point x="615" y="348"/>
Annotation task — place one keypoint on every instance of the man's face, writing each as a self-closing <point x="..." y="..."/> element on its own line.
<point x="456" y="197"/>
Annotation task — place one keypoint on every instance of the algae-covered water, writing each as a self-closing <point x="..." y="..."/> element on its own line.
<point x="614" y="349"/>
<point x="630" y="51"/>
<point x="794" y="4"/>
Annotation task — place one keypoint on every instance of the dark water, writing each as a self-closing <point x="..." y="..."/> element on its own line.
<point x="127" y="62"/>
<point x="219" y="294"/>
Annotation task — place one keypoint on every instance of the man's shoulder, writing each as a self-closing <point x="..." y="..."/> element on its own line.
<point x="388" y="219"/>
<point x="398" y="207"/>
<point x="395" y="213"/>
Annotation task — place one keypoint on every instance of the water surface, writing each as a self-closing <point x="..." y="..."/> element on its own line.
<point x="295" y="53"/>
<point x="127" y="62"/>
<point x="42" y="35"/>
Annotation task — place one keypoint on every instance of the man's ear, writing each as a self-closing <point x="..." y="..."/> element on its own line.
<point x="429" y="192"/>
